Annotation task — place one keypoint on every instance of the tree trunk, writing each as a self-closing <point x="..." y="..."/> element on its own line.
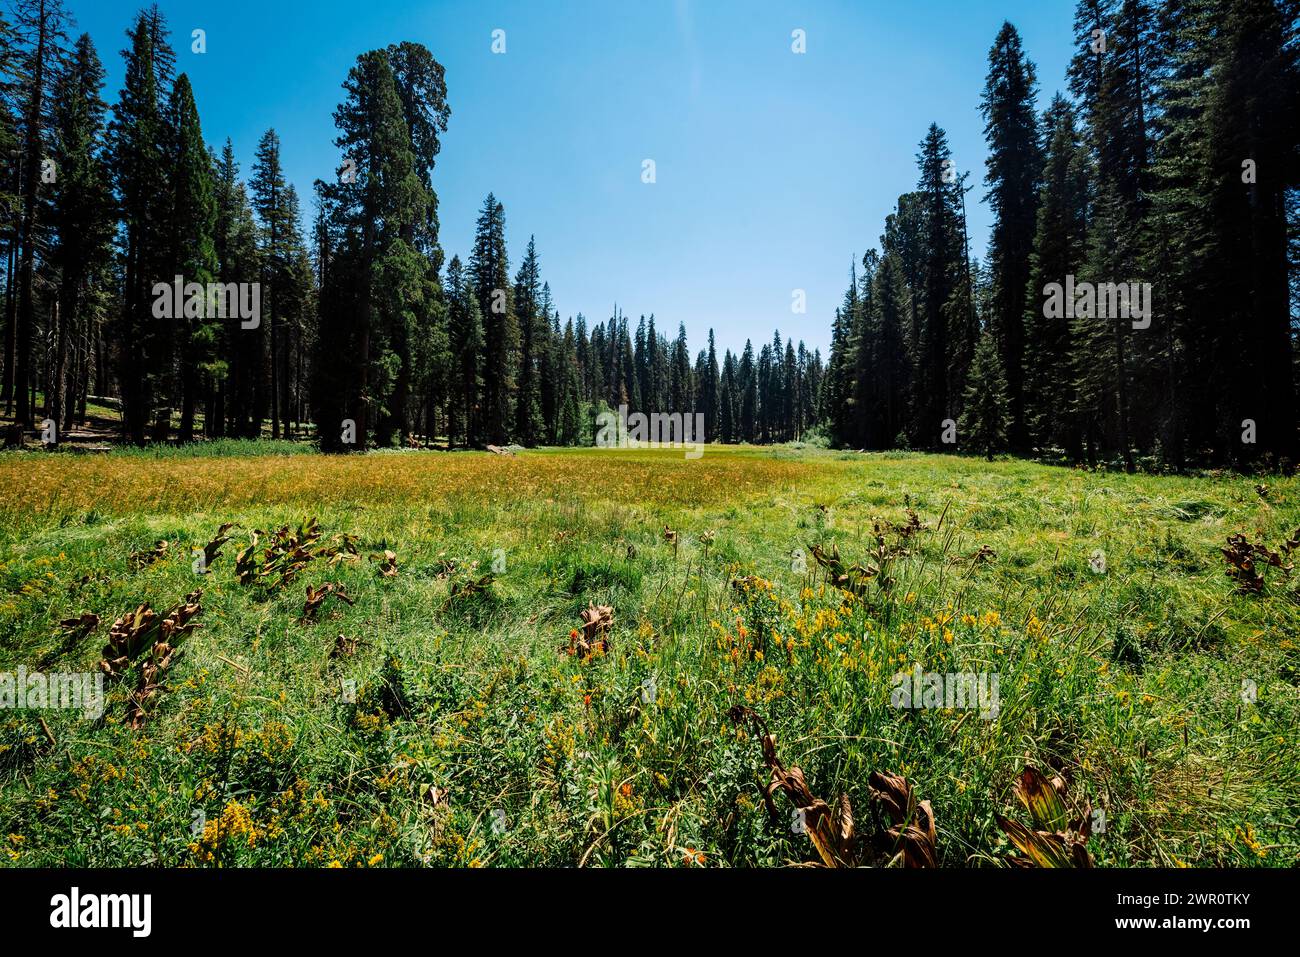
<point x="27" y="229"/>
<point x="7" y="387"/>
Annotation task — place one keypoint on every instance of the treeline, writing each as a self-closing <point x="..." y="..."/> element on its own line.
<point x="106" y="206"/>
<point x="493" y="363"/>
<point x="1174" y="162"/>
<point x="141" y="268"/>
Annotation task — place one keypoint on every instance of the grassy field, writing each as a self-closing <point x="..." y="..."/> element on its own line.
<point x="441" y="719"/>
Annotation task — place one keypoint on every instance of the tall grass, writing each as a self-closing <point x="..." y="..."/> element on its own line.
<point x="459" y="732"/>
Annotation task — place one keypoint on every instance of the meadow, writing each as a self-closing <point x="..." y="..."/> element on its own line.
<point x="398" y="670"/>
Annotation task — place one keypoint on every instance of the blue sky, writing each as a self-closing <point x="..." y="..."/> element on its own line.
<point x="774" y="170"/>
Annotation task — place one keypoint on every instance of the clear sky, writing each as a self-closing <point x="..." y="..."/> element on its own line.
<point x="774" y="170"/>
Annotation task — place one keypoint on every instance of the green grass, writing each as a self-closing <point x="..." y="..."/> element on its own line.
<point x="213" y="448"/>
<point x="1127" y="682"/>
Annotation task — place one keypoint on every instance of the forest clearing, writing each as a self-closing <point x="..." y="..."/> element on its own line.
<point x="571" y="658"/>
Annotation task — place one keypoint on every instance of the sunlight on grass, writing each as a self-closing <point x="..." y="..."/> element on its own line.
<point x="439" y="719"/>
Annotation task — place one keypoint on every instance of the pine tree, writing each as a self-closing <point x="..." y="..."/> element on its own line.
<point x="844" y="415"/>
<point x="569" y="416"/>
<point x="298" y="329"/>
<point x="164" y="59"/>
<point x="137" y="134"/>
<point x="596" y="365"/>
<point x="816" y="375"/>
<point x="611" y="365"/>
<point x="42" y="23"/>
<point x="192" y="251"/>
<point x="422" y="338"/>
<point x="941" y="266"/>
<point x="1187" y="388"/>
<point x="431" y="363"/>
<point x="748" y="387"/>
<point x="892" y="373"/>
<point x="234" y="409"/>
<point x="268" y="192"/>
<point x="1102" y="343"/>
<point x="422" y="88"/>
<point x="707" y="399"/>
<point x="378" y="269"/>
<point x="1115" y="73"/>
<point x="789" y="392"/>
<point x="1059" y="250"/>
<point x="763" y="377"/>
<point x="489" y="270"/>
<point x="861" y="357"/>
<point x="553" y="380"/>
<point x="467" y="341"/>
<point x="82" y="219"/>
<point x="530" y="314"/>
<point x="625" y="363"/>
<point x="9" y="205"/>
<point x="655" y="388"/>
<point x="986" y="414"/>
<point x="961" y="308"/>
<point x="582" y="355"/>
<point x="727" y="400"/>
<point x="831" y="402"/>
<point x="1014" y="162"/>
<point x="681" y="387"/>
<point x="1092" y="19"/>
<point x="1253" y="114"/>
<point x="771" y="399"/>
<point x="641" y="362"/>
<point x="904" y="237"/>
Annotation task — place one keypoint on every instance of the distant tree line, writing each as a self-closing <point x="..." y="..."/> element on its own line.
<point x="362" y="336"/>
<point x="1175" y="162"/>
<point x="105" y="206"/>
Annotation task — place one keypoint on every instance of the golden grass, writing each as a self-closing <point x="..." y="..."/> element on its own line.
<point x="118" y="484"/>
